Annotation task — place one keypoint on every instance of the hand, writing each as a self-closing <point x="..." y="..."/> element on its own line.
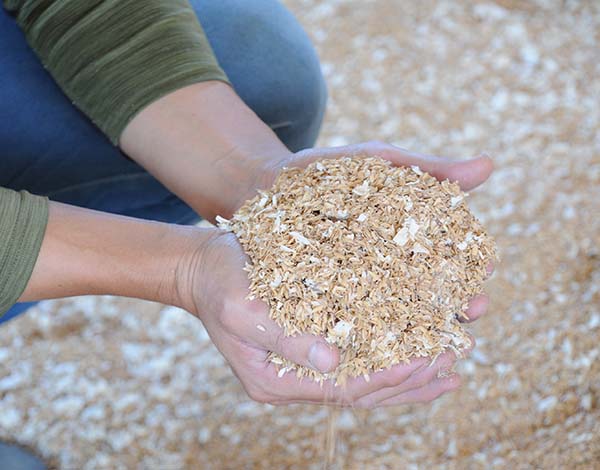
<point x="214" y="287"/>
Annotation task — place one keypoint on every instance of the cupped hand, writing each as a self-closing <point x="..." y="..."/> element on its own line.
<point x="214" y="286"/>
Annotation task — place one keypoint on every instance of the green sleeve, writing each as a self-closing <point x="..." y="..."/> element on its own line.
<point x="115" y="57"/>
<point x="23" y="219"/>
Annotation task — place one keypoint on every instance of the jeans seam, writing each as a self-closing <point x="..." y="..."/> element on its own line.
<point x="279" y="125"/>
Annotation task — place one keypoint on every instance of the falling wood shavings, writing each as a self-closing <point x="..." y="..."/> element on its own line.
<point x="379" y="260"/>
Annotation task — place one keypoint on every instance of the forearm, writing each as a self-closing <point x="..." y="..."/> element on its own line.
<point x="206" y="146"/>
<point x="89" y="252"/>
<point x="150" y="81"/>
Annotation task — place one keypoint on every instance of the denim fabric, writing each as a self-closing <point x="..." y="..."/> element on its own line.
<point x="50" y="148"/>
<point x="14" y="457"/>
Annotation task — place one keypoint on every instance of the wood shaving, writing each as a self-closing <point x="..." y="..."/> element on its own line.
<point x="379" y="260"/>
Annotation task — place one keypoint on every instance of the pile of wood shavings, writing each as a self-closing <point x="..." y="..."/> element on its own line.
<point x="379" y="260"/>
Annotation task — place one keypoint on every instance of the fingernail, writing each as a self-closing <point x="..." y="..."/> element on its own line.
<point x="320" y="357"/>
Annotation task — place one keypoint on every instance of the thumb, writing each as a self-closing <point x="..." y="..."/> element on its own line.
<point x="255" y="327"/>
<point x="250" y="322"/>
<point x="307" y="350"/>
<point x="467" y="173"/>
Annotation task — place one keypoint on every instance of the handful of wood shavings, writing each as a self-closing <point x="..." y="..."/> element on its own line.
<point x="379" y="260"/>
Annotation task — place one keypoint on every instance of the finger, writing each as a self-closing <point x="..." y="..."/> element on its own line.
<point x="357" y="387"/>
<point x="290" y="389"/>
<point x="262" y="381"/>
<point x="425" y="394"/>
<point x="255" y="327"/>
<point x="418" y="380"/>
<point x="467" y="173"/>
<point x="477" y="308"/>
<point x="306" y="350"/>
<point x="249" y="321"/>
<point x="261" y="378"/>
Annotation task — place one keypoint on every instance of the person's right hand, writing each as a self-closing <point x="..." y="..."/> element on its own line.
<point x="214" y="287"/>
<point x="243" y="332"/>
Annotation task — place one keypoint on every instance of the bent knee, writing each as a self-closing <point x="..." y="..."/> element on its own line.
<point x="270" y="62"/>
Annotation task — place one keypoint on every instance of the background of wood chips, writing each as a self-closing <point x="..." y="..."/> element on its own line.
<point x="112" y="383"/>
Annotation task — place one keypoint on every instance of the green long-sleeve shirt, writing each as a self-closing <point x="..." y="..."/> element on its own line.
<point x="112" y="58"/>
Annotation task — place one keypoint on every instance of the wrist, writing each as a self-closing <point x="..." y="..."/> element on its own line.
<point x="194" y="270"/>
<point x="205" y="145"/>
<point x="156" y="279"/>
<point x="87" y="252"/>
<point x="248" y="171"/>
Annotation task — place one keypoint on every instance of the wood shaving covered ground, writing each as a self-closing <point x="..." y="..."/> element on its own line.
<point x="110" y="383"/>
<point x="379" y="260"/>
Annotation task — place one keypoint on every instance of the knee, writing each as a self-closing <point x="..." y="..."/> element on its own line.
<point x="304" y="101"/>
<point x="294" y="101"/>
<point x="271" y="63"/>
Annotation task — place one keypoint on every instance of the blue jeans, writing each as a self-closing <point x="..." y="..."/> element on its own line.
<point x="50" y="148"/>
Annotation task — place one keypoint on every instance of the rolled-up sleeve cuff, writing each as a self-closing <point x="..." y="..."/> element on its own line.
<point x="115" y="57"/>
<point x="23" y="221"/>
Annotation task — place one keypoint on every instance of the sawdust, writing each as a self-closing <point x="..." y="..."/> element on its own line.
<point x="379" y="260"/>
